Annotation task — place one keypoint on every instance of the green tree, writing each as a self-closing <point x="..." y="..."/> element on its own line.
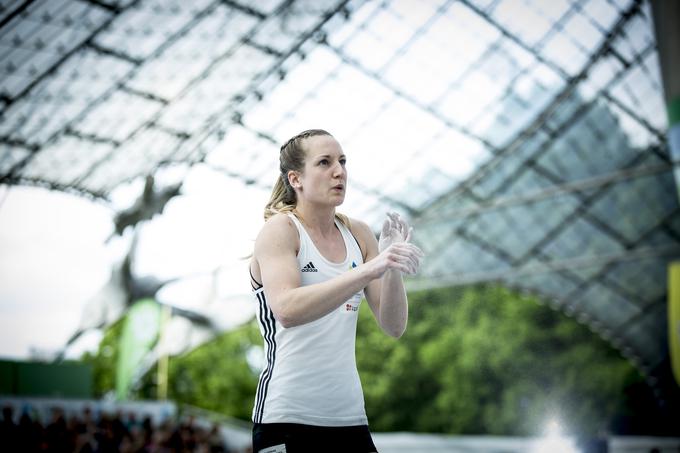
<point x="104" y="360"/>
<point x="486" y="360"/>
<point x="216" y="376"/>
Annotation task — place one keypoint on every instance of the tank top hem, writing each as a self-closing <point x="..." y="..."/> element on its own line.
<point x="317" y="421"/>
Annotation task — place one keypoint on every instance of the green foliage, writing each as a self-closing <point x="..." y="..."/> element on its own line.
<point x="485" y="360"/>
<point x="104" y="362"/>
<point x="216" y="376"/>
<point x="476" y="360"/>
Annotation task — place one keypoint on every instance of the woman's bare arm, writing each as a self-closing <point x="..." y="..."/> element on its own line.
<point x="292" y="304"/>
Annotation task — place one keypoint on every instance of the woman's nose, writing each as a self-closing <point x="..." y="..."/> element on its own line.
<point x="338" y="169"/>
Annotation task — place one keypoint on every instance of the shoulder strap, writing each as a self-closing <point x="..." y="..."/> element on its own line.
<point x="301" y="230"/>
<point x="295" y="220"/>
<point x="302" y="233"/>
<point x="350" y="239"/>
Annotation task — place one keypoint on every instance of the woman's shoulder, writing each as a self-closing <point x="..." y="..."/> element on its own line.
<point x="277" y="236"/>
<point x="279" y="225"/>
<point x="362" y="233"/>
<point x="358" y="227"/>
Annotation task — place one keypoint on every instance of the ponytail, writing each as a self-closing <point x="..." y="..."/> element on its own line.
<point x="282" y="199"/>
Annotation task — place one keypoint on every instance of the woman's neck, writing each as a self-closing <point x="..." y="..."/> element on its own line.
<point x="317" y="219"/>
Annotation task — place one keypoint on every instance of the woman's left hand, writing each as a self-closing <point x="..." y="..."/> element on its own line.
<point x="395" y="229"/>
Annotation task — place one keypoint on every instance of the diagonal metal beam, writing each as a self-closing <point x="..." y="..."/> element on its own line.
<point x="91" y="137"/>
<point x="113" y="53"/>
<point x="645" y="310"/>
<point x="111" y="8"/>
<point x="597" y="182"/>
<point x="18" y="10"/>
<point x="51" y="185"/>
<point x="244" y="9"/>
<point x="145" y="95"/>
<point x="14" y="143"/>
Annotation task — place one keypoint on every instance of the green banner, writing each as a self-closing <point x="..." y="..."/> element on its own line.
<point x="139" y="335"/>
<point x="674" y="317"/>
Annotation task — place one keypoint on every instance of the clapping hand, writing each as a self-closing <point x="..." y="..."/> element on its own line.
<point x="395" y="229"/>
<point x="397" y="233"/>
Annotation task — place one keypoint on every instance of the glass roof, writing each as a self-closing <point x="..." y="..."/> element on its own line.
<point x="523" y="138"/>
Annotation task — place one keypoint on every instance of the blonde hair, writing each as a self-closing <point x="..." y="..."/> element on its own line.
<point x="292" y="157"/>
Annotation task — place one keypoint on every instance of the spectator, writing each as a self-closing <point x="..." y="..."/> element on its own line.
<point x="85" y="433"/>
<point x="9" y="430"/>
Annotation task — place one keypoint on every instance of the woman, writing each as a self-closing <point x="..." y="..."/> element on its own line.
<point x="310" y="269"/>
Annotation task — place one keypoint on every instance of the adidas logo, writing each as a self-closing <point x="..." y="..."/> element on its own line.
<point x="309" y="268"/>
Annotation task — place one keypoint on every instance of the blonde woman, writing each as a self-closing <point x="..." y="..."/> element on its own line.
<point x="310" y="269"/>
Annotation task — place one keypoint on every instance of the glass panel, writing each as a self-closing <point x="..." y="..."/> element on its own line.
<point x="140" y="30"/>
<point x="66" y="161"/>
<point x="62" y="97"/>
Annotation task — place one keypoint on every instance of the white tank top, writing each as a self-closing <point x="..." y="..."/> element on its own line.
<point x="310" y="375"/>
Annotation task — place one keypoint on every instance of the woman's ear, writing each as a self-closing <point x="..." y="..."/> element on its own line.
<point x="294" y="180"/>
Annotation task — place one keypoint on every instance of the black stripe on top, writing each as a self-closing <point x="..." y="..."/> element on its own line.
<point x="254" y="283"/>
<point x="361" y="252"/>
<point x="266" y="319"/>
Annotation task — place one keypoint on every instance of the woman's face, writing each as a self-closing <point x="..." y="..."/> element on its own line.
<point x="324" y="179"/>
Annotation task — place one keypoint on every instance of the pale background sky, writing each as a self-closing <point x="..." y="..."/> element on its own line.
<point x="55" y="256"/>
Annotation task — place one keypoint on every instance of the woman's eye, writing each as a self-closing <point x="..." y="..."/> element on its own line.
<point x="323" y="162"/>
<point x="343" y="162"/>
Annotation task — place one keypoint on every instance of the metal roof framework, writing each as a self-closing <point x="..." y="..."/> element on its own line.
<point x="524" y="138"/>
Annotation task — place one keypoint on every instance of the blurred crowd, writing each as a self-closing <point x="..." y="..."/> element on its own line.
<point x="85" y="433"/>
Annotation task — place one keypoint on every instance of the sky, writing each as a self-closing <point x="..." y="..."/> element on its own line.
<point x="53" y="257"/>
<point x="56" y="254"/>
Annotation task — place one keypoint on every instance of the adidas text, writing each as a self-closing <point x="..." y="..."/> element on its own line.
<point x="309" y="268"/>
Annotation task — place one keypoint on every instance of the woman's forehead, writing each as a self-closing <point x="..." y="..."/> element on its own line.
<point x="322" y="145"/>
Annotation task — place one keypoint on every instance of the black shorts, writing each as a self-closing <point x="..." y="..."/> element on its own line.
<point x="299" y="438"/>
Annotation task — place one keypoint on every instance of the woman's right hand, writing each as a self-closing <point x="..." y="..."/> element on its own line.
<point x="401" y="256"/>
